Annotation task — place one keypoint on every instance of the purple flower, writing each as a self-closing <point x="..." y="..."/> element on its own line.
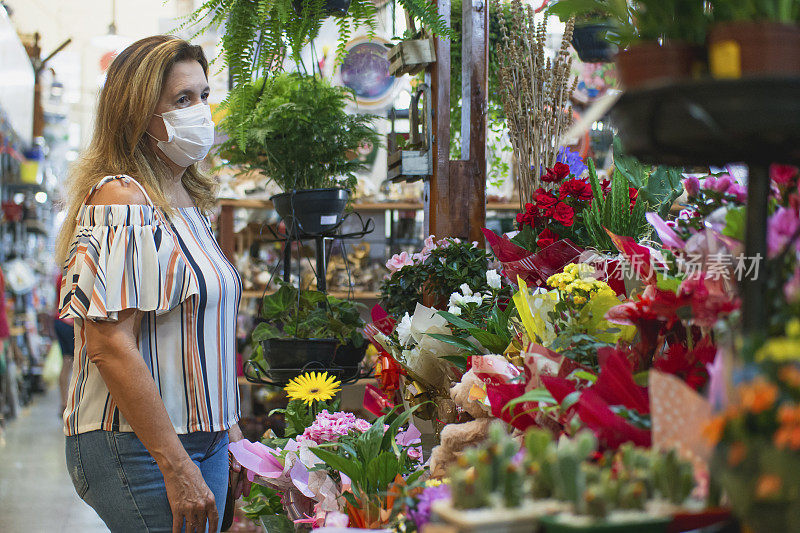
<point x="329" y="427"/>
<point x="421" y="515"/>
<point x="573" y="159"/>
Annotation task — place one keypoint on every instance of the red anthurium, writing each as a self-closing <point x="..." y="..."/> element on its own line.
<point x="611" y="429"/>
<point x="637" y="255"/>
<point x="616" y="386"/>
<point x="499" y="394"/>
<point x="559" y="388"/>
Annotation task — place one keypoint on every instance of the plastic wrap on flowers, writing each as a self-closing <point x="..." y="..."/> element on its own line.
<point x="533" y="268"/>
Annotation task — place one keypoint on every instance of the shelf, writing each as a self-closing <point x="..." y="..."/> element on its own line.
<point x="342" y="295"/>
<point x="255" y="203"/>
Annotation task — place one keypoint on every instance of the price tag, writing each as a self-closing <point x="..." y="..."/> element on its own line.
<point x="327" y="219"/>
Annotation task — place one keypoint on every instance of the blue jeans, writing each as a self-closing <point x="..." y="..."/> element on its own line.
<point x="114" y="473"/>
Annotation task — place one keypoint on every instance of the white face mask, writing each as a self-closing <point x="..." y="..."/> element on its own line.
<point x="190" y="134"/>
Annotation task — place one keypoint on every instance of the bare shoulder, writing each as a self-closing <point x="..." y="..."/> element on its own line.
<point x="118" y="192"/>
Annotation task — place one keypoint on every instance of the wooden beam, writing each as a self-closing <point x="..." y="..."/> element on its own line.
<point x="474" y="96"/>
<point x="439" y="219"/>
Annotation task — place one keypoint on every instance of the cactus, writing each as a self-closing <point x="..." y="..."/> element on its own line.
<point x="570" y="478"/>
<point x="672" y="477"/>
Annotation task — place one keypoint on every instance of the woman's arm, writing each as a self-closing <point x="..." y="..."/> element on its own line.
<point x="113" y="348"/>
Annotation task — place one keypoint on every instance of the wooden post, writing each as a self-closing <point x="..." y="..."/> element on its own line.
<point x="226" y="235"/>
<point x="439" y="216"/>
<point x="456" y="194"/>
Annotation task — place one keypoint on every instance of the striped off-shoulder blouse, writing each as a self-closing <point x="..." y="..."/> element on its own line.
<point x="134" y="257"/>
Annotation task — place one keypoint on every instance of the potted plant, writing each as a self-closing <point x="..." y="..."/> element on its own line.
<point x="754" y="38"/>
<point x="294" y="129"/>
<point x="307" y="327"/>
<point x="594" y="20"/>
<point x="663" y="42"/>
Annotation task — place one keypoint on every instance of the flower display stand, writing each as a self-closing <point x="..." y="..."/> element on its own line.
<point x="713" y="122"/>
<point x="308" y="354"/>
<point x="524" y="519"/>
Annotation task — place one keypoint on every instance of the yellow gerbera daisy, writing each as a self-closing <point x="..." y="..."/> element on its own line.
<point x="312" y="387"/>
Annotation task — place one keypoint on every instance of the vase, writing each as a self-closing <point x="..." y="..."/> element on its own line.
<point x="311" y="211"/>
<point x="754" y="48"/>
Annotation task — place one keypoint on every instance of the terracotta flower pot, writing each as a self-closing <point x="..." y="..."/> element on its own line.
<point x="753" y="48"/>
<point x="650" y="63"/>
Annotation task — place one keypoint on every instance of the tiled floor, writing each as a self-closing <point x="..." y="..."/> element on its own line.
<point x="36" y="495"/>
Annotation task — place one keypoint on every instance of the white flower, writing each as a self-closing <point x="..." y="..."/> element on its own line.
<point x="456" y="299"/>
<point x="465" y="289"/>
<point x="404" y="330"/>
<point x="474" y="299"/>
<point x="454" y="310"/>
<point x="493" y="279"/>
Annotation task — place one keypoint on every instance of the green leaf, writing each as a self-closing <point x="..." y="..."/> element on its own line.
<point x="457" y="342"/>
<point x="369" y="442"/>
<point x="382" y="470"/>
<point x="735" y="223"/>
<point x="459" y="361"/>
<point x="535" y="395"/>
<point x="456" y="321"/>
<point x="583" y="374"/>
<point x="490" y="341"/>
<point x="264" y="331"/>
<point x="347" y="466"/>
<point x="570" y="400"/>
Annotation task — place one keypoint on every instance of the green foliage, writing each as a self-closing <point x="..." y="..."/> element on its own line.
<point x="445" y="269"/>
<point x="617" y="12"/>
<point x="371" y="459"/>
<point x="300" y="416"/>
<point x="786" y="11"/>
<point x="613" y="212"/>
<point x="659" y="186"/>
<point x="289" y="313"/>
<point x="295" y="129"/>
<point x="263" y="501"/>
<point x="494" y="335"/>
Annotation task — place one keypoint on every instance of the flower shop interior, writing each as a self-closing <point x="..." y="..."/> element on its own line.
<point x="506" y="266"/>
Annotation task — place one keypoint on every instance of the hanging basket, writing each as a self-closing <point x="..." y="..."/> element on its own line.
<point x="311" y="211"/>
<point x="298" y="353"/>
<point x="590" y="43"/>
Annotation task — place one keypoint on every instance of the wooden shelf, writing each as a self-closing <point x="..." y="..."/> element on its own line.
<point x="343" y="295"/>
<point x="256" y="203"/>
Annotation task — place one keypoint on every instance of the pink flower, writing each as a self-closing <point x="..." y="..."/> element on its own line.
<point x="739" y="191"/>
<point x="329" y="427"/>
<point x="415" y="454"/>
<point x="781" y="227"/>
<point x="399" y="261"/>
<point x="782" y="174"/>
<point x="692" y="186"/>
<point x="719" y="184"/>
<point x="792" y="288"/>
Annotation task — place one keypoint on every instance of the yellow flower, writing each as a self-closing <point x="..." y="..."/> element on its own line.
<point x="579" y="300"/>
<point x="312" y="387"/>
<point x="780" y="349"/>
<point x="793" y="328"/>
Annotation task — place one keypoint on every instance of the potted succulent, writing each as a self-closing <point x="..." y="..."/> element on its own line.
<point x="299" y="328"/>
<point x="596" y="25"/>
<point x="760" y="37"/>
<point x="294" y="129"/>
<point x="665" y="43"/>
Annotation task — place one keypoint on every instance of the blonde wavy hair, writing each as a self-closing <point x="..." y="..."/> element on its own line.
<point x="119" y="145"/>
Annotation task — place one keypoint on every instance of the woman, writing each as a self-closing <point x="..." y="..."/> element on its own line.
<point x="153" y="398"/>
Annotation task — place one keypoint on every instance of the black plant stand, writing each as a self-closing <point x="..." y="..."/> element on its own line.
<point x="280" y="377"/>
<point x="713" y="122"/>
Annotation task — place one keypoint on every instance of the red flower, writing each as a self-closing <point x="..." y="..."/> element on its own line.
<point x="564" y="214"/>
<point x="632" y="195"/>
<point x="545" y="201"/>
<point x="575" y="188"/>
<point x="556" y="174"/>
<point x="781" y="174"/>
<point x="546" y="238"/>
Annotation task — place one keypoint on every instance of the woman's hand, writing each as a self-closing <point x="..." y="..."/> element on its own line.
<point x="190" y="499"/>
<point x="238" y="476"/>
